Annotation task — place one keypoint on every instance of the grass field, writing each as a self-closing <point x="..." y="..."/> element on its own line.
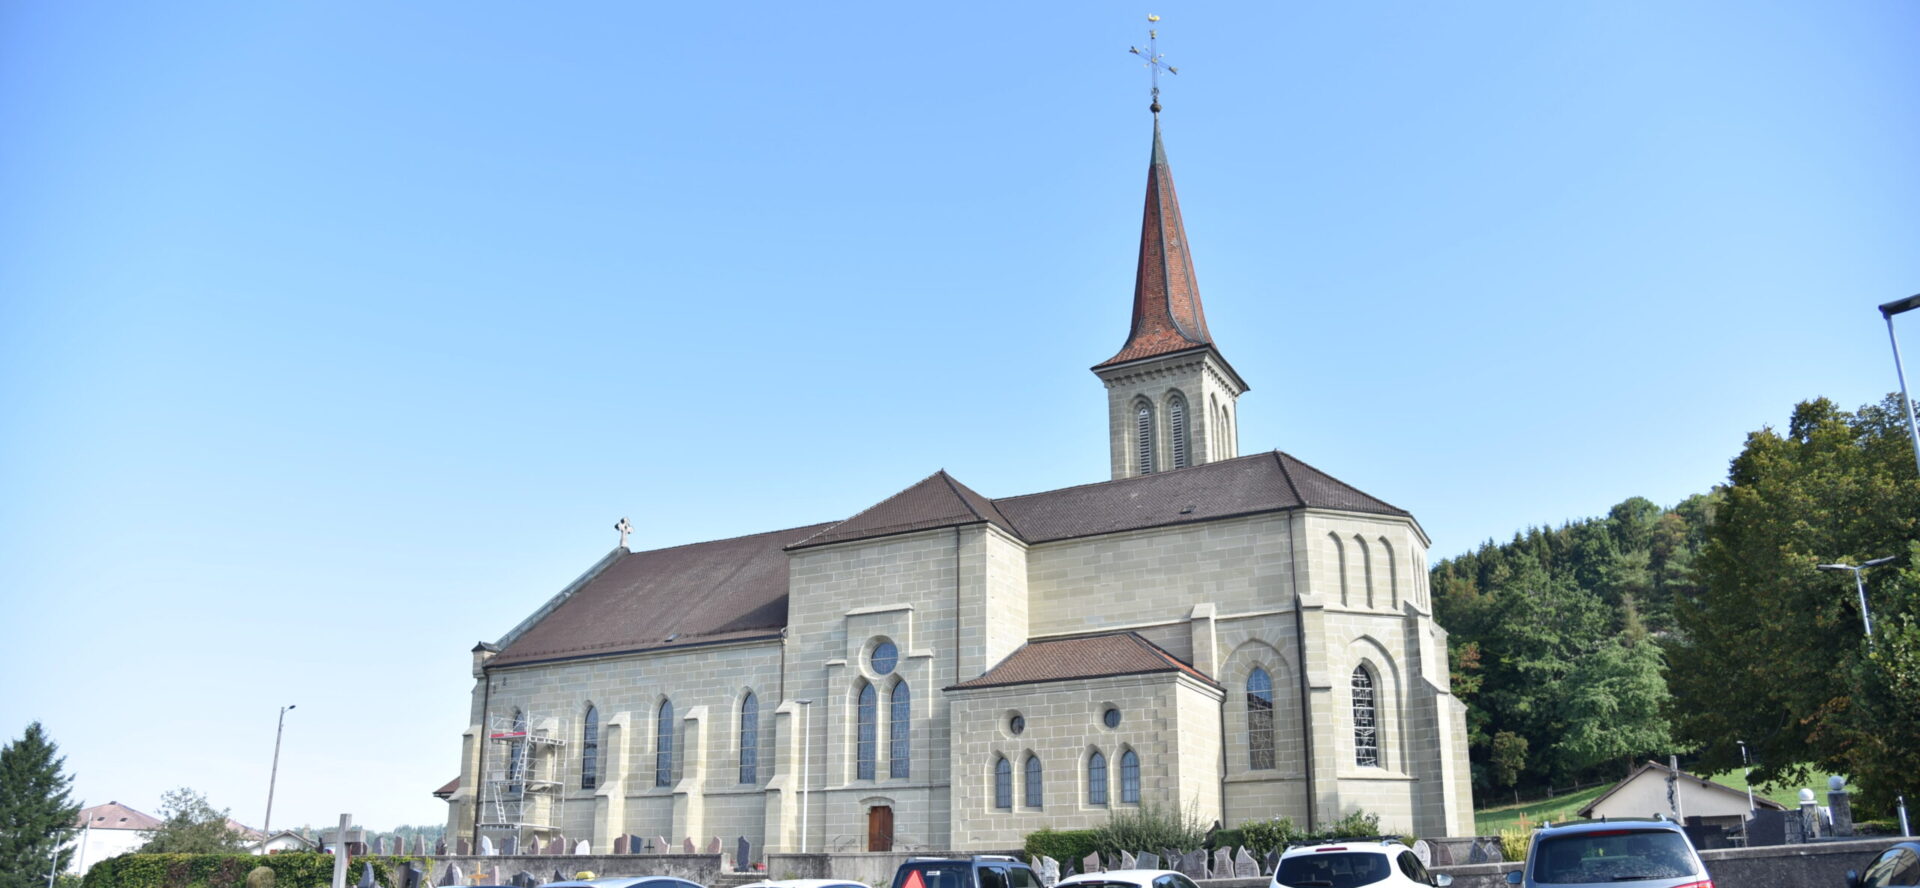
<point x="1491" y="820"/>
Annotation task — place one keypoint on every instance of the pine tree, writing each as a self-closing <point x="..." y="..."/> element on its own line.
<point x="36" y="815"/>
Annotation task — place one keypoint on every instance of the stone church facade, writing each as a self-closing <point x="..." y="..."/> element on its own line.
<point x="1243" y="636"/>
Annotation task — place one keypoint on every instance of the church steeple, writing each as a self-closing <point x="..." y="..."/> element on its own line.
<point x="1171" y="396"/>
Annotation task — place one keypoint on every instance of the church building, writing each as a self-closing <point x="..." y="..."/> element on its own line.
<point x="1239" y="635"/>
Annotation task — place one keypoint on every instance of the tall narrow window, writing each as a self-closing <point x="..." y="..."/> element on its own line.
<point x="864" y="741"/>
<point x="1366" y="739"/>
<point x="1143" y="438"/>
<point x="1097" y="779"/>
<point x="1035" y="790"/>
<point x="1177" y="431"/>
<point x="1003" y="784"/>
<point x="663" y="746"/>
<point x="899" y="728"/>
<point x="590" y="749"/>
<point x="750" y="739"/>
<point x="1259" y="720"/>
<point x="1129" y="778"/>
<point x="517" y="755"/>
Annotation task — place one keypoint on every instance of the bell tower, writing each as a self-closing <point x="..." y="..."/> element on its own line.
<point x="1171" y="398"/>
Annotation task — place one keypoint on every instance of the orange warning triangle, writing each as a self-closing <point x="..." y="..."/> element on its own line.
<point x="914" y="880"/>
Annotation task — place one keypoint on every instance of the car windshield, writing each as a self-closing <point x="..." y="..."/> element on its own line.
<point x="1614" y="855"/>
<point x="1332" y="869"/>
<point x="946" y="874"/>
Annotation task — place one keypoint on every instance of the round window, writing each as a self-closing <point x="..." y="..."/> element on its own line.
<point x="1110" y="718"/>
<point x="884" y="657"/>
<point x="1017" y="724"/>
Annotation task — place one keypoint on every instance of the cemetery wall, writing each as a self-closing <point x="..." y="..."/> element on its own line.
<point x="1772" y="866"/>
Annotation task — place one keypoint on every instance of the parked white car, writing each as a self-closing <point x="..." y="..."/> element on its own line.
<point x="1133" y="878"/>
<point x="1352" y="863"/>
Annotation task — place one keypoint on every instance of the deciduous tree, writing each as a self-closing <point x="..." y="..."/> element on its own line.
<point x="189" y="824"/>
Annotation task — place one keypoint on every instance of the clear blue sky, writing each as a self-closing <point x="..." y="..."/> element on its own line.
<point x="334" y="336"/>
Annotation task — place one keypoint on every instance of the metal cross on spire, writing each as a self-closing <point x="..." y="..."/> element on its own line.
<point x="1155" y="61"/>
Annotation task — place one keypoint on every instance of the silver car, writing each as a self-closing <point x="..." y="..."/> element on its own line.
<point x="1613" y="854"/>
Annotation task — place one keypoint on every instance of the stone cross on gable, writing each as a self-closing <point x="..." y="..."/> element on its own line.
<point x="625" y="528"/>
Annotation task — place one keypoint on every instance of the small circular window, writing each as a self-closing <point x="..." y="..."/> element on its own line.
<point x="1110" y="718"/>
<point x="884" y="657"/>
<point x="1017" y="724"/>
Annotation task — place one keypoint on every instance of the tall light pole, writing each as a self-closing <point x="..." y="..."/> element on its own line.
<point x="1888" y="311"/>
<point x="806" y="738"/>
<point x="1866" y="619"/>
<point x="266" y="823"/>
<point x="1746" y="775"/>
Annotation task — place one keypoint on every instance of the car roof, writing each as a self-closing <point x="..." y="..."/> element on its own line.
<point x="1129" y="875"/>
<point x="1369" y="846"/>
<point x="1583" y="826"/>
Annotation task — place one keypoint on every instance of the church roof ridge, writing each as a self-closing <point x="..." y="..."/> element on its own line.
<point x="1073" y="657"/>
<point x="936" y="501"/>
<point x="1167" y="313"/>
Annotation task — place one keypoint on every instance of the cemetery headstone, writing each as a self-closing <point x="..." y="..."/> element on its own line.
<point x="1478" y="854"/>
<point x="1272" y="860"/>
<point x="713" y="845"/>
<point x="377" y="848"/>
<point x="1222" y="862"/>
<point x="1128" y="861"/>
<point x="499" y="875"/>
<point x="1424" y="852"/>
<point x="411" y="876"/>
<point x="742" y="853"/>
<point x="661" y="845"/>
<point x="1840" y="806"/>
<point x="1193" y="864"/>
<point x="558" y="876"/>
<point x="1091" y="864"/>
<point x="619" y="844"/>
<point x="486" y="846"/>
<point x="582" y="848"/>
<point x="1490" y="852"/>
<point x="451" y="876"/>
<point x="635" y="844"/>
<point x="1442" y="853"/>
<point x="510" y="846"/>
<point x="1244" y="866"/>
<point x="461" y="846"/>
<point x="524" y="879"/>
<point x="1768" y="827"/>
<point x="1146" y="860"/>
<point x="1049" y="871"/>
<point x="686" y="845"/>
<point x="366" y="875"/>
<point x="557" y="845"/>
<point x="419" y="846"/>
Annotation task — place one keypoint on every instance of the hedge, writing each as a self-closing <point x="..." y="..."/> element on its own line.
<point x="1064" y="845"/>
<point x="293" y="870"/>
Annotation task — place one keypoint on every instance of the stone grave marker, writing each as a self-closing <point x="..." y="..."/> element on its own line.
<point x="1442" y="853"/>
<point x="556" y="845"/>
<point x="635" y="843"/>
<point x="686" y="846"/>
<point x="1478" y="854"/>
<point x="1049" y="871"/>
<point x="1244" y="866"/>
<point x="1272" y="862"/>
<point x="713" y="845"/>
<point x="742" y="854"/>
<point x="376" y="848"/>
<point x="440" y="847"/>
<point x="619" y="844"/>
<point x="510" y="846"/>
<point x="1424" y="852"/>
<point x="1193" y="865"/>
<point x="499" y="875"/>
<point x="451" y="876"/>
<point x="524" y="879"/>
<point x="486" y="846"/>
<point x="1222" y="863"/>
<point x="1128" y="861"/>
<point x="1145" y="860"/>
<point x="662" y="845"/>
<point x="1169" y="858"/>
<point x="558" y="876"/>
<point x="366" y="875"/>
<point x="419" y="846"/>
<point x="461" y="846"/>
<point x="1091" y="864"/>
<point x="1768" y="827"/>
<point x="582" y="848"/>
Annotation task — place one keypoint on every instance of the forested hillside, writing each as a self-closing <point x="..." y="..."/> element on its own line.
<point x="1556" y="641"/>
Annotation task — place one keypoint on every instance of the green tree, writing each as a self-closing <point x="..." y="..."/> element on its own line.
<point x="189" y="824"/>
<point x="1771" y="649"/>
<point x="1509" y="758"/>
<point x="36" y="815"/>
<point x="1615" y="701"/>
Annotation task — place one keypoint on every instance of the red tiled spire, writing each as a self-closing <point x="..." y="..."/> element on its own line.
<point x="1167" y="316"/>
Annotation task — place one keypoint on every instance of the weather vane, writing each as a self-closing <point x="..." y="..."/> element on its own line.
<point x="1155" y="61"/>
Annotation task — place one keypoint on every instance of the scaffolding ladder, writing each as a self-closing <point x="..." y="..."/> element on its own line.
<point x="518" y="798"/>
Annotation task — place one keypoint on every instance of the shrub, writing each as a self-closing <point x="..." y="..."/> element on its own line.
<point x="296" y="870"/>
<point x="1152" y="828"/>
<point x="1264" y="836"/>
<point x="1357" y="824"/>
<point x="1514" y="842"/>
<point x="1064" y="845"/>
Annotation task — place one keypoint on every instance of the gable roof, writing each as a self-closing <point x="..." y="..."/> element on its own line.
<point x="1660" y="772"/>
<point x="114" y="815"/>
<point x="704" y="593"/>
<point x="1086" y="656"/>
<point x="936" y="501"/>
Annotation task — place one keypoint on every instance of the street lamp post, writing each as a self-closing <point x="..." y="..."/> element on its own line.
<point x="1746" y="775"/>
<point x="266" y="822"/>
<point x="806" y="738"/>
<point x="1888" y="311"/>
<point x="1866" y="619"/>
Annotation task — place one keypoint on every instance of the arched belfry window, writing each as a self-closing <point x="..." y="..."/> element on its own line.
<point x="866" y="714"/>
<point x="750" y="739"/>
<point x="1366" y="736"/>
<point x="663" y="746"/>
<point x="1143" y="437"/>
<point x="899" y="727"/>
<point x="590" y="749"/>
<point x="1002" y="783"/>
<point x="1096" y="779"/>
<point x="1259" y="720"/>
<point x="1177" y="438"/>
<point x="1129" y="778"/>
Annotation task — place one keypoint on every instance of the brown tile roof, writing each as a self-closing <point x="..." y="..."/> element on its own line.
<point x="723" y="590"/>
<point x="936" y="501"/>
<point x="1264" y="482"/>
<point x="448" y="789"/>
<point x="1088" y="656"/>
<point x="1167" y="316"/>
<point x="114" y="815"/>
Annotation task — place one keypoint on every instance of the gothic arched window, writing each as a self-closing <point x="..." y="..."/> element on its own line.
<point x="1002" y="783"/>
<point x="1129" y="778"/>
<point x="1097" y="779"/>
<point x="1143" y="437"/>
<point x="590" y="749"/>
<point x="864" y="742"/>
<point x="1366" y="736"/>
<point x="1259" y="720"/>
<point x="899" y="726"/>
<point x="1035" y="792"/>
<point x="750" y="739"/>
<point x="663" y="746"/>
<point x="1177" y="432"/>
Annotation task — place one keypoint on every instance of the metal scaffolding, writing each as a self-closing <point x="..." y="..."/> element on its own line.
<point x="523" y="793"/>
